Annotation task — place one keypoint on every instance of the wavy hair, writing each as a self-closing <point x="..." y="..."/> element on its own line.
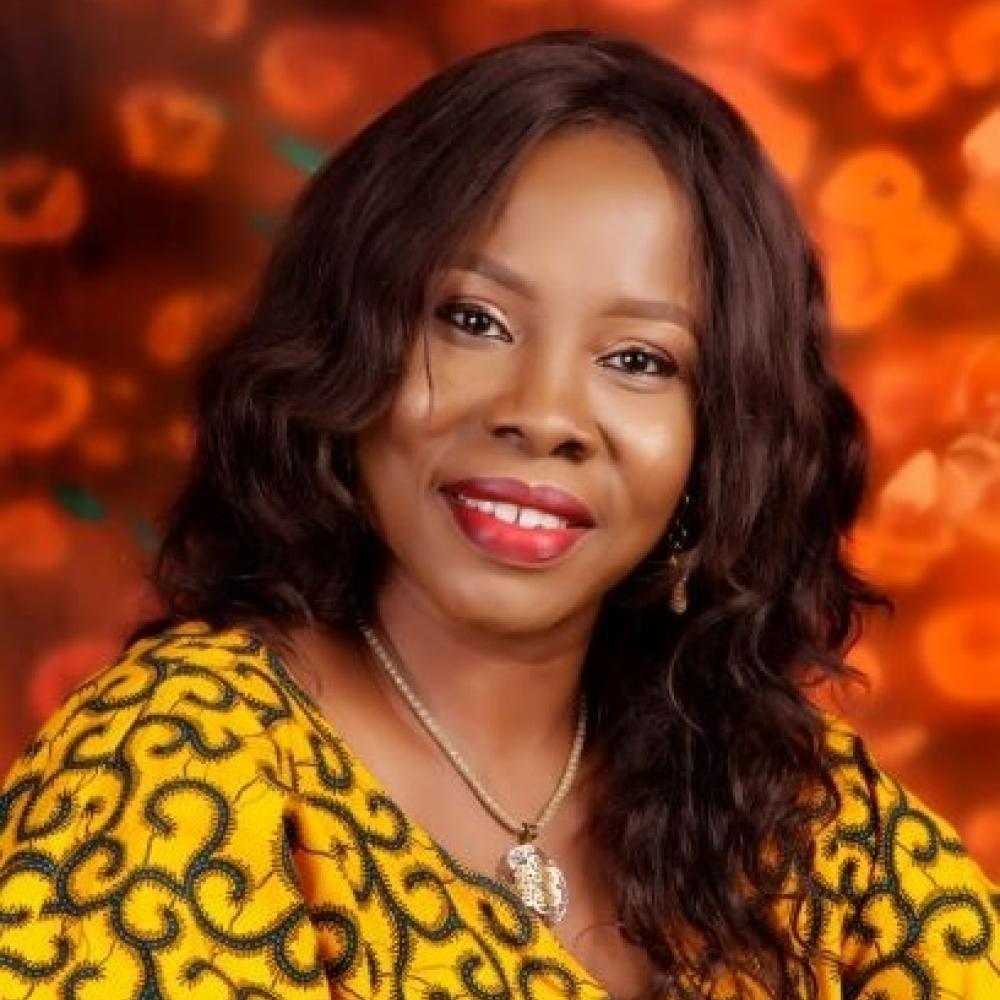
<point x="714" y="740"/>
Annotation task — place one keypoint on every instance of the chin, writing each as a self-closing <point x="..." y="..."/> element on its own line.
<point x="512" y="609"/>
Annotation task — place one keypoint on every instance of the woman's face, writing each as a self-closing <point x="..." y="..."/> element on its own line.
<point x="561" y="351"/>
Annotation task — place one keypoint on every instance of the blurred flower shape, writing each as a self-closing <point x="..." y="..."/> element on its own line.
<point x="178" y="324"/>
<point x="981" y="211"/>
<point x="922" y="246"/>
<point x="904" y="77"/>
<point x="860" y="293"/>
<point x="10" y="325"/>
<point x="959" y="648"/>
<point x="787" y="133"/>
<point x="64" y="668"/>
<point x="978" y="385"/>
<point x="33" y="536"/>
<point x="871" y="187"/>
<point x="169" y="129"/>
<point x="39" y="202"/>
<point x="982" y="522"/>
<point x="895" y="382"/>
<point x="974" y="44"/>
<point x="219" y="19"/>
<point x="915" y="487"/>
<point x="43" y="400"/>
<point x="317" y="71"/>
<point x="806" y="39"/>
<point x="910" y="530"/>
<point x="970" y="469"/>
<point x="981" y="145"/>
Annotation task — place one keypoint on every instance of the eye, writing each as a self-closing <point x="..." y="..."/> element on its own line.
<point x="471" y="319"/>
<point x="639" y="361"/>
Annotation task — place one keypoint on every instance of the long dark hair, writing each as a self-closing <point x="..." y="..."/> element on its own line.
<point x="714" y="739"/>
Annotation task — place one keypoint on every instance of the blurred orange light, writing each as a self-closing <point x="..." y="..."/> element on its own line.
<point x="42" y="400"/>
<point x="787" y="133"/>
<point x="169" y="129"/>
<point x="39" y="202"/>
<point x="871" y="187"/>
<point x="218" y="19"/>
<point x="959" y="647"/>
<point x="974" y="44"/>
<point x="981" y="145"/>
<point x="806" y="40"/>
<point x="33" y="536"/>
<point x="922" y="246"/>
<point x="176" y="327"/>
<point x="312" y="72"/>
<point x="981" y="211"/>
<point x="860" y="293"/>
<point x="905" y="77"/>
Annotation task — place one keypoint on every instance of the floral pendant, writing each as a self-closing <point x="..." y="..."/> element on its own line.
<point x="538" y="881"/>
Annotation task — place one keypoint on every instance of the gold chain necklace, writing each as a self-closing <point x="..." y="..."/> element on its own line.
<point x="534" y="876"/>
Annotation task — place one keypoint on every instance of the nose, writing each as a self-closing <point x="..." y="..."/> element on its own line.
<point x="543" y="407"/>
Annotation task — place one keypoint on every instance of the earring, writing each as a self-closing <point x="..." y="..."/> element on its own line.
<point x="678" y="593"/>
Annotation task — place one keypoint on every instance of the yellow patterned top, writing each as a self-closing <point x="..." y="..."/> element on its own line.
<point x="189" y="825"/>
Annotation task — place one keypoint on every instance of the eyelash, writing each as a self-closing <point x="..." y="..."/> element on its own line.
<point x="668" y="365"/>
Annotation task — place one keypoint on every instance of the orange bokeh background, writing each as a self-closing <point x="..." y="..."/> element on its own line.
<point x="149" y="149"/>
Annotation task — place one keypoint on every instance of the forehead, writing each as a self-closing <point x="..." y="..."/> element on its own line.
<point x="596" y="203"/>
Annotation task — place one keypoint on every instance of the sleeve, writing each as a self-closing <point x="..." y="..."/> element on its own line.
<point x="926" y="923"/>
<point x="142" y="849"/>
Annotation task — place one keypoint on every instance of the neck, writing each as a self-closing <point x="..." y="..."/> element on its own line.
<point x="502" y="696"/>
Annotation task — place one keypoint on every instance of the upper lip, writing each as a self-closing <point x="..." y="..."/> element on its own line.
<point x="551" y="499"/>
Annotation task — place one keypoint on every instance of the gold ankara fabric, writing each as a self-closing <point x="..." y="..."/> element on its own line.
<point x="189" y="825"/>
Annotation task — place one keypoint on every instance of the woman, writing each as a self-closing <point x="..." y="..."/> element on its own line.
<point x="510" y="545"/>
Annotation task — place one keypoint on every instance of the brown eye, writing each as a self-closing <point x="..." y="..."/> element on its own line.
<point x="638" y="361"/>
<point x="470" y="319"/>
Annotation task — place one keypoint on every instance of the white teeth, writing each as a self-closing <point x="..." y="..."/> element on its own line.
<point x="505" y="512"/>
<point x="531" y="518"/>
<point x="509" y="513"/>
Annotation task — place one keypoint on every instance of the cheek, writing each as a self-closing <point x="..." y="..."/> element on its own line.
<point x="398" y="455"/>
<point x="656" y="445"/>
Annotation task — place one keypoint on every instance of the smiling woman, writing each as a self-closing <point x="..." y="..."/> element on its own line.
<point x="510" y="546"/>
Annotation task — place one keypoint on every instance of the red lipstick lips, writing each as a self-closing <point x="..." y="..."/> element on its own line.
<point x="551" y="499"/>
<point x="518" y="543"/>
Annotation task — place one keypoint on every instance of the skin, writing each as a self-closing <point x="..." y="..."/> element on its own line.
<point x="538" y="388"/>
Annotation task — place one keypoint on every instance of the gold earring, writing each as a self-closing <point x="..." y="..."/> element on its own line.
<point x="678" y="593"/>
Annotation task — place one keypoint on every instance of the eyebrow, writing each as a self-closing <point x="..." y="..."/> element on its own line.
<point x="653" y="309"/>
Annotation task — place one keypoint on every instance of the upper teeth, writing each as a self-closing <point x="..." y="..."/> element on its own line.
<point x="523" y="517"/>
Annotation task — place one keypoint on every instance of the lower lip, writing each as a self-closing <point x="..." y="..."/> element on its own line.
<point x="510" y="542"/>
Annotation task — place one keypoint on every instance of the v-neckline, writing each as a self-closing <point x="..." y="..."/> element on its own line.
<point x="421" y="837"/>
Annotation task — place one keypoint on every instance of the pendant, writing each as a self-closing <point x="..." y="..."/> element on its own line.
<point x="538" y="881"/>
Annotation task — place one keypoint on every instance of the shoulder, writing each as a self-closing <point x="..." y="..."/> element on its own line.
<point x="917" y="905"/>
<point x="142" y="832"/>
<point x="192" y="703"/>
<point x="877" y="810"/>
